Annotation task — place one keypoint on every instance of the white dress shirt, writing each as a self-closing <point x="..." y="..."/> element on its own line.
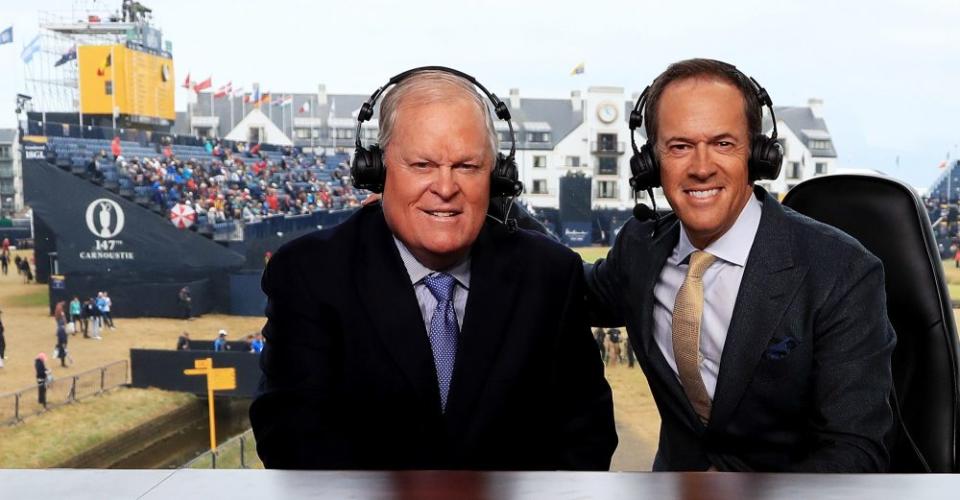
<point x="721" y="282"/>
<point x="425" y="298"/>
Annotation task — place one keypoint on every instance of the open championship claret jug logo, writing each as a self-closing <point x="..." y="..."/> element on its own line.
<point x="105" y="220"/>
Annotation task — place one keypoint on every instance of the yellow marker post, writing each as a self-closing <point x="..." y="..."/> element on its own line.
<point x="218" y="379"/>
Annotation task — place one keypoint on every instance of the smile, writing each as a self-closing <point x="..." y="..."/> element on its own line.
<point x="441" y="213"/>
<point x="703" y="193"/>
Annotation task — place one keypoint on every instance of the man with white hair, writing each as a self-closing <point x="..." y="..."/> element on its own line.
<point x="408" y="336"/>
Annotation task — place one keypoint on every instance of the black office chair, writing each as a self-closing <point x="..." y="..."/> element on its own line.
<point x="887" y="217"/>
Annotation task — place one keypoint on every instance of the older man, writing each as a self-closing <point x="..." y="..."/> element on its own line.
<point x="763" y="334"/>
<point x="410" y="336"/>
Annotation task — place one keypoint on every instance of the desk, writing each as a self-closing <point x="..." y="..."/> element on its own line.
<point x="83" y="484"/>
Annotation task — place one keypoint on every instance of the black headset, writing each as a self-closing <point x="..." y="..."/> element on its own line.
<point x="368" y="170"/>
<point x="766" y="154"/>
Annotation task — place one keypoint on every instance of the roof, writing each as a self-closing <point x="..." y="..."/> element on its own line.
<point x="807" y="127"/>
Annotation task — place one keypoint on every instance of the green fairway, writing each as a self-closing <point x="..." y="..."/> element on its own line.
<point x="591" y="254"/>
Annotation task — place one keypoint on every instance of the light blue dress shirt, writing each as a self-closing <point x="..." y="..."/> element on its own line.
<point x="426" y="300"/>
<point x="721" y="283"/>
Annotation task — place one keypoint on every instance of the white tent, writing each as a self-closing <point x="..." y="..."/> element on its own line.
<point x="257" y="125"/>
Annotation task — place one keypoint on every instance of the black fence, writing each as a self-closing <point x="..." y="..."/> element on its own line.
<point x="164" y="370"/>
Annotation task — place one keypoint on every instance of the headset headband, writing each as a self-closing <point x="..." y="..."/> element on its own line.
<point x="501" y="109"/>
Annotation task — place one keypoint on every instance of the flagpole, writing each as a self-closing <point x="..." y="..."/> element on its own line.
<point x="79" y="96"/>
<point x="113" y="90"/>
<point x="231" y="111"/>
<point x="313" y="123"/>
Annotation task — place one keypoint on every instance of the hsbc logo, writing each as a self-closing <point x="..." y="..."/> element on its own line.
<point x="104" y="218"/>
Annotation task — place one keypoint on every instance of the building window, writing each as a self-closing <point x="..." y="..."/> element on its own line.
<point x="302" y="133"/>
<point x="821" y="168"/>
<point x="573" y="161"/>
<point x="539" y="162"/>
<point x="606" y="143"/>
<point x="607" y="165"/>
<point x="607" y="189"/>
<point x="343" y="133"/>
<point x="538" y="136"/>
<point x="4" y="152"/>
<point x="539" y="186"/>
<point x="793" y="170"/>
<point x="504" y="136"/>
<point x="819" y="144"/>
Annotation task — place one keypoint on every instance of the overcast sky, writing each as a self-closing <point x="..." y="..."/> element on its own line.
<point x="888" y="71"/>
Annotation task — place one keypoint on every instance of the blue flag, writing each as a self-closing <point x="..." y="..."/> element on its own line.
<point x="32" y="48"/>
<point x="67" y="56"/>
<point x="6" y="36"/>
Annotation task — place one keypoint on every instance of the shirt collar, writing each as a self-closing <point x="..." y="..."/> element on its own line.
<point x="418" y="271"/>
<point x="734" y="245"/>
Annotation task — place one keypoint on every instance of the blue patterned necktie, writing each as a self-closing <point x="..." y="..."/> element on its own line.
<point x="443" y="330"/>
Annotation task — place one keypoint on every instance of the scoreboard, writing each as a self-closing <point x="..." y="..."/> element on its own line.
<point x="126" y="80"/>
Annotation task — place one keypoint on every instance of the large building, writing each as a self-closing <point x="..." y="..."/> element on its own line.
<point x="586" y="134"/>
<point x="11" y="173"/>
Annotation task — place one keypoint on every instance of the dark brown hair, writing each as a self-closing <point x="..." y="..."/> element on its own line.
<point x="708" y="69"/>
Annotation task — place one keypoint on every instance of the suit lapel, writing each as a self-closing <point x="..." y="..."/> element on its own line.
<point x="490" y="304"/>
<point x="769" y="282"/>
<point x="391" y="305"/>
<point x="660" y="249"/>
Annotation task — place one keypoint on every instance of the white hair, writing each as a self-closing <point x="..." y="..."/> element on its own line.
<point x="429" y="86"/>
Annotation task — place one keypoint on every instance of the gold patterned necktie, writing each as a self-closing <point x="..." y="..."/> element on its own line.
<point x="687" y="312"/>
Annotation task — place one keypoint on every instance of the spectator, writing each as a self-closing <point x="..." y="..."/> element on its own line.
<point x="599" y="335"/>
<point x="61" y="350"/>
<point x="220" y="344"/>
<point x="74" y="317"/>
<point x="115" y="147"/>
<point x="183" y="342"/>
<point x="3" y="343"/>
<point x="186" y="302"/>
<point x="613" y="346"/>
<point x="257" y="344"/>
<point x="105" y="304"/>
<point x="43" y="378"/>
<point x="4" y="261"/>
<point x="96" y="322"/>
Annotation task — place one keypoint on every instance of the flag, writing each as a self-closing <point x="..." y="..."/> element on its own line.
<point x="287" y="100"/>
<point x="304" y="108"/>
<point x="264" y="99"/>
<point x="278" y="100"/>
<point x="247" y="98"/>
<point x="237" y="92"/>
<point x="67" y="56"/>
<point x="578" y="70"/>
<point x="204" y="85"/>
<point x="32" y="48"/>
<point x="942" y="164"/>
<point x="6" y="36"/>
<point x="224" y="90"/>
<point x="186" y="83"/>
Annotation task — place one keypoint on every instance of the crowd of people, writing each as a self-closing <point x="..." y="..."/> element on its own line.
<point x="237" y="182"/>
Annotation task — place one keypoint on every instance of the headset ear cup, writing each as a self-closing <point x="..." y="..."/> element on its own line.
<point x="645" y="170"/>
<point x="766" y="158"/>
<point x="367" y="170"/>
<point x="505" y="180"/>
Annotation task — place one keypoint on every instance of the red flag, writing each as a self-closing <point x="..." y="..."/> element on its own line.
<point x="224" y="90"/>
<point x="204" y="85"/>
<point x="186" y="83"/>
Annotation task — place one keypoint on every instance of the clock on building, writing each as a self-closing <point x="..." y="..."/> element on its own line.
<point x="607" y="112"/>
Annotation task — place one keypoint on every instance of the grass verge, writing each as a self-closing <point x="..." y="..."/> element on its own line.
<point x="64" y="432"/>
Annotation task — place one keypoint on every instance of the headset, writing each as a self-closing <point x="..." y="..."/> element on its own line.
<point x="766" y="154"/>
<point x="369" y="172"/>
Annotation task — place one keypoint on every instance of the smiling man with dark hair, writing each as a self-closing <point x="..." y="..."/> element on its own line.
<point x="763" y="334"/>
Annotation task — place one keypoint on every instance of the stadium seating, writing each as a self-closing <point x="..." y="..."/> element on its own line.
<point x="229" y="179"/>
<point x="887" y="217"/>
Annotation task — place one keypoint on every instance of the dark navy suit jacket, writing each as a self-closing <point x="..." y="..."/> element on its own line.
<point x="348" y="373"/>
<point x="805" y="373"/>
